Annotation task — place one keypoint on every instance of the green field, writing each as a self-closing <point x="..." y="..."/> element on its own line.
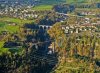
<point x="4" y="21"/>
<point x="10" y="29"/>
<point x="2" y="24"/>
<point x="6" y="27"/>
<point x="3" y="50"/>
<point x="15" y="20"/>
<point x="43" y="7"/>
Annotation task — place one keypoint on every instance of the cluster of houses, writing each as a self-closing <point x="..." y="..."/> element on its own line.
<point x="87" y="13"/>
<point x="84" y="24"/>
<point x="19" y="12"/>
<point x="77" y="29"/>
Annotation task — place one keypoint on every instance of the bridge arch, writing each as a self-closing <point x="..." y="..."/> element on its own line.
<point x="45" y="27"/>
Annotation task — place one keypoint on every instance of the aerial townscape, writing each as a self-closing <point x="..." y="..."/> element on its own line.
<point x="49" y="36"/>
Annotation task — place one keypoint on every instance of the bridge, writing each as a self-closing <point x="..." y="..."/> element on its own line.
<point x="45" y="27"/>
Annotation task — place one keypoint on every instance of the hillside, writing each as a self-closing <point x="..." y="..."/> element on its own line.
<point x="52" y="1"/>
<point x="82" y="1"/>
<point x="67" y="1"/>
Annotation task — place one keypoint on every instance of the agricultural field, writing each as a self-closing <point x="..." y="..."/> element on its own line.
<point x="11" y="24"/>
<point x="15" y="20"/>
<point x="43" y="7"/>
<point x="9" y="28"/>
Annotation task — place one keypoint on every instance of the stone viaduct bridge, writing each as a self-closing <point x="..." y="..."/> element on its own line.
<point x="45" y="27"/>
